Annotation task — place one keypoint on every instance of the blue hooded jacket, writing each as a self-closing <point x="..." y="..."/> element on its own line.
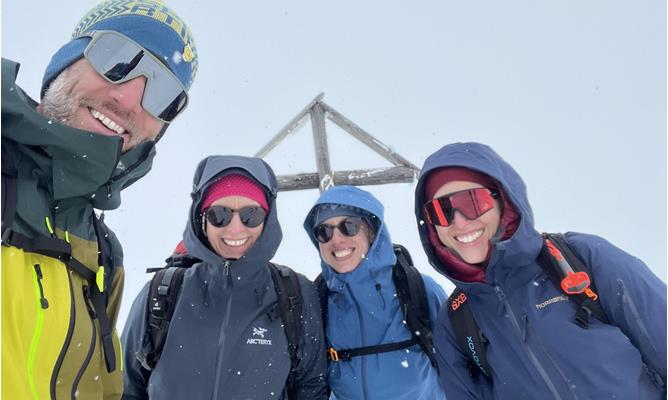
<point x="535" y="349"/>
<point x="360" y="315"/>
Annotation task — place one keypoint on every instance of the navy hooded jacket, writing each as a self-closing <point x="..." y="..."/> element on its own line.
<point x="364" y="310"/>
<point x="535" y="349"/>
<point x="226" y="338"/>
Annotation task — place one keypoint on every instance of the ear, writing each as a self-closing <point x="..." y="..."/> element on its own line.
<point x="372" y="233"/>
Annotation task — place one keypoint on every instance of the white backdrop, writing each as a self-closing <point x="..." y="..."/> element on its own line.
<point x="572" y="93"/>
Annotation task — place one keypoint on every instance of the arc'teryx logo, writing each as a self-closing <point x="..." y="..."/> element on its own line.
<point x="259" y="332"/>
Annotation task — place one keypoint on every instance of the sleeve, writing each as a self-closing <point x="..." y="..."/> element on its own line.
<point x="135" y="376"/>
<point x="311" y="379"/>
<point x="435" y="296"/>
<point x="454" y="376"/>
<point x="634" y="299"/>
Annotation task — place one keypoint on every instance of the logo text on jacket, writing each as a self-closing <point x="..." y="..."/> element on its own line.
<point x="261" y="340"/>
<point x="551" y="301"/>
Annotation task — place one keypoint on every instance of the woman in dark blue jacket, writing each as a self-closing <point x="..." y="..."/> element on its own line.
<point x="346" y="225"/>
<point x="477" y="229"/>
<point x="226" y="339"/>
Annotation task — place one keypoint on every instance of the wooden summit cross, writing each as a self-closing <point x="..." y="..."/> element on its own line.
<point x="402" y="171"/>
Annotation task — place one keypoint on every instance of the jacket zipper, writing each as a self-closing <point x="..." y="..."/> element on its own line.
<point x="91" y="348"/>
<point x="534" y="360"/>
<point x="39" y="325"/>
<point x="223" y="327"/>
<point x="68" y="339"/>
<point x="365" y="389"/>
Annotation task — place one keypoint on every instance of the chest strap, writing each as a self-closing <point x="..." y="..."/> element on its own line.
<point x="348" y="354"/>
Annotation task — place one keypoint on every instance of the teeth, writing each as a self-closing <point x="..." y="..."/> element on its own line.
<point x="235" y="243"/>
<point x="342" y="253"/>
<point x="107" y="122"/>
<point x="470" y="237"/>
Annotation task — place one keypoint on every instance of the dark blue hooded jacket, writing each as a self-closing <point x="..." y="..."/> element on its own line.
<point x="535" y="348"/>
<point x="226" y="339"/>
<point x="360" y="315"/>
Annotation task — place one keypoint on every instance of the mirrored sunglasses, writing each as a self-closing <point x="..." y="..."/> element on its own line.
<point x="472" y="203"/>
<point x="323" y="233"/>
<point x="220" y="216"/>
<point x="119" y="59"/>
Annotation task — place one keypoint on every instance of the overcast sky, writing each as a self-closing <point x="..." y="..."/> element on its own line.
<point x="572" y="93"/>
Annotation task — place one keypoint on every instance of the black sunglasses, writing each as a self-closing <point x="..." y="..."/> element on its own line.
<point x="348" y="227"/>
<point x="220" y="216"/>
<point x="119" y="59"/>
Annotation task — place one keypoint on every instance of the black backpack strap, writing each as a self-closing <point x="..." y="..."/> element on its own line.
<point x="468" y="335"/>
<point x="9" y="175"/>
<point x="323" y="293"/>
<point x="558" y="260"/>
<point x="413" y="298"/>
<point x="347" y="354"/>
<point x="162" y="296"/>
<point x="288" y="292"/>
<point x="100" y="291"/>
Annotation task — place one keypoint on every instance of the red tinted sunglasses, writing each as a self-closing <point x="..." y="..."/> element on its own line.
<point x="472" y="203"/>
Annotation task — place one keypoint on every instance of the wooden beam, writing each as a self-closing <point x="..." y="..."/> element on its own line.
<point x="360" y="134"/>
<point x="291" y="127"/>
<point x="374" y="176"/>
<point x="325" y="176"/>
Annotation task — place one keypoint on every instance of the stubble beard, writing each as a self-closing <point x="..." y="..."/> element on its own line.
<point x="59" y="103"/>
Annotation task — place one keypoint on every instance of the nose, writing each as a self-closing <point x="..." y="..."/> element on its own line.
<point x="128" y="95"/>
<point x="459" y="219"/>
<point x="235" y="223"/>
<point x="337" y="236"/>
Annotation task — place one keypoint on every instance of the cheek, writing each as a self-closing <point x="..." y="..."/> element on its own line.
<point x="442" y="233"/>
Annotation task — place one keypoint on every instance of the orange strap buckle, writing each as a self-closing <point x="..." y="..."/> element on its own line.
<point x="333" y="354"/>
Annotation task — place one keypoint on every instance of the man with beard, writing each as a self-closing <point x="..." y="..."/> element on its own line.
<point x="107" y="97"/>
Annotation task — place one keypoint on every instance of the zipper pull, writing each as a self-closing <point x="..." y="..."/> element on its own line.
<point x="87" y="300"/>
<point x="525" y="326"/>
<point x="500" y="293"/>
<point x="227" y="279"/>
<point x="380" y="294"/>
<point x="42" y="300"/>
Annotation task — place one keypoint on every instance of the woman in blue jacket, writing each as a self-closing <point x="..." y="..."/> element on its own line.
<point x="477" y="229"/>
<point x="346" y="226"/>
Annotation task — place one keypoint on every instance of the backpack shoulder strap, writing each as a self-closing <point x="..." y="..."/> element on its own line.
<point x="572" y="276"/>
<point x="413" y="298"/>
<point x="467" y="334"/>
<point x="323" y="293"/>
<point x="162" y="296"/>
<point x="100" y="294"/>
<point x="288" y="292"/>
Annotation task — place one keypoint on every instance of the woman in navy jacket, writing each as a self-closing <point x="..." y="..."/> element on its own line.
<point x="477" y="229"/>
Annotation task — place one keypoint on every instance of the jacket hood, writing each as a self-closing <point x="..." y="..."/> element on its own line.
<point x="93" y="164"/>
<point x="209" y="171"/>
<point x="380" y="254"/>
<point x="518" y="250"/>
